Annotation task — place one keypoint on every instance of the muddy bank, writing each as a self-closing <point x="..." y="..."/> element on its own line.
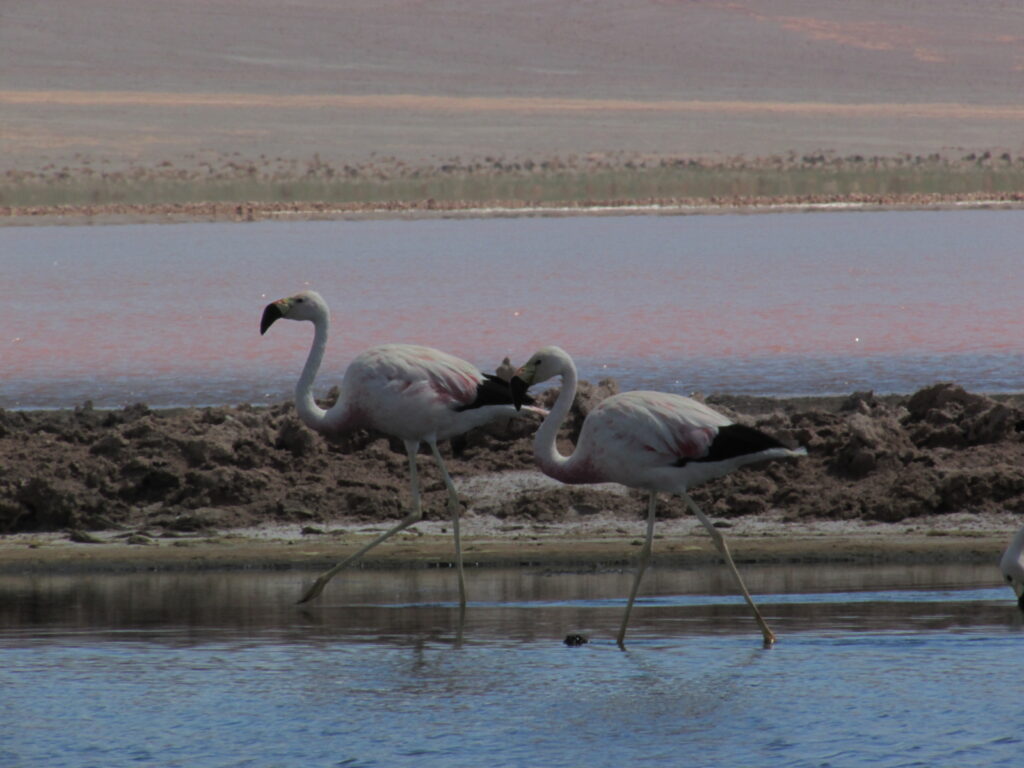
<point x="171" y="479"/>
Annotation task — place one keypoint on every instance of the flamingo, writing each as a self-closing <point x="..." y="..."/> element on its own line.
<point x="1012" y="566"/>
<point x="417" y="394"/>
<point x="656" y="441"/>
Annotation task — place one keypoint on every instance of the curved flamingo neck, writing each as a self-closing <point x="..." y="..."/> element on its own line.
<point x="545" y="450"/>
<point x="312" y="415"/>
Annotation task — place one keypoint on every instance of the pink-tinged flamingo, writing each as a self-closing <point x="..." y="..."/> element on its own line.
<point x="417" y="394"/>
<point x="656" y="441"/>
<point x="1012" y="566"/>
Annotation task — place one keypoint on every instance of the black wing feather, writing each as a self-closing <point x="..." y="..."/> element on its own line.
<point x="492" y="391"/>
<point x="735" y="440"/>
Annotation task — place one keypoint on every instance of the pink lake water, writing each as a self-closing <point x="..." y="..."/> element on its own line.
<point x="781" y="304"/>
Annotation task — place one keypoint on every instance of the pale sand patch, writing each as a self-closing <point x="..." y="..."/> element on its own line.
<point x="470" y="104"/>
<point x="602" y="539"/>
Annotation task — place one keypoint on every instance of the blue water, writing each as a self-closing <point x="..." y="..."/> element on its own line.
<point x="886" y="699"/>
<point x="872" y="676"/>
<point x="783" y="304"/>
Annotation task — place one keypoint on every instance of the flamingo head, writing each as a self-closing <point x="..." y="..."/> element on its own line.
<point x="545" y="364"/>
<point x="307" y="305"/>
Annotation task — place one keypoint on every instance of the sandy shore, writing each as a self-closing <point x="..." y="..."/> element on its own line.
<point x="964" y="539"/>
<point x="170" y="213"/>
<point x="477" y="79"/>
<point x="937" y="476"/>
<point x="489" y="83"/>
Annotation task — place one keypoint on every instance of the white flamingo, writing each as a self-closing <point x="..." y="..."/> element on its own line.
<point x="1012" y="566"/>
<point x="417" y="394"/>
<point x="651" y="440"/>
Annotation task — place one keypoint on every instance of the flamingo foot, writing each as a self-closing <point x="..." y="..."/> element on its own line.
<point x="315" y="589"/>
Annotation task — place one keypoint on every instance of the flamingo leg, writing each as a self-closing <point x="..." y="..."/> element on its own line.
<point x="454" y="510"/>
<point x="645" y="556"/>
<point x="413" y="517"/>
<point x="716" y="536"/>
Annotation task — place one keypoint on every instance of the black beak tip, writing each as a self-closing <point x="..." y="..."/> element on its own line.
<point x="518" y="387"/>
<point x="1020" y="602"/>
<point x="270" y="314"/>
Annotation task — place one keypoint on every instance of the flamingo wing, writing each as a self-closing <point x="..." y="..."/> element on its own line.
<point x="692" y="432"/>
<point x="645" y="439"/>
<point x="448" y="380"/>
<point x="405" y="367"/>
<point x="660" y="424"/>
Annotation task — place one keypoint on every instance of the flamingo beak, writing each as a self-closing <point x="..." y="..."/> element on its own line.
<point x="518" y="387"/>
<point x="271" y="313"/>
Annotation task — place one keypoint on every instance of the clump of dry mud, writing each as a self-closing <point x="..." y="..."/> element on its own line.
<point x="940" y="450"/>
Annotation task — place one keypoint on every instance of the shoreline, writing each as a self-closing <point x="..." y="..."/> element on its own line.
<point x="176" y="213"/>
<point x="932" y="477"/>
<point x="681" y="543"/>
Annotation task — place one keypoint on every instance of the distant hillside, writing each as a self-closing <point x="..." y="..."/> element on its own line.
<point x="471" y="78"/>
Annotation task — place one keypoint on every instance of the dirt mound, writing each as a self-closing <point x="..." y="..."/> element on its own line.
<point x="169" y="472"/>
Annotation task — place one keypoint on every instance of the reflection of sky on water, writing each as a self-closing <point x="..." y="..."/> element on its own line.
<point x="784" y="304"/>
<point x="224" y="669"/>
<point x="504" y="603"/>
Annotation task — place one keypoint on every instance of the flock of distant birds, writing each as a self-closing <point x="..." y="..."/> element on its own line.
<point x="655" y="441"/>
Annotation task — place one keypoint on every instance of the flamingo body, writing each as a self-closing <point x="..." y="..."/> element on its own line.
<point x="1012" y="566"/>
<point x="659" y="441"/>
<point x="414" y="393"/>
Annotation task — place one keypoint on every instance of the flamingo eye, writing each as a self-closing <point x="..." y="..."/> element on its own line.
<point x="299" y="300"/>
